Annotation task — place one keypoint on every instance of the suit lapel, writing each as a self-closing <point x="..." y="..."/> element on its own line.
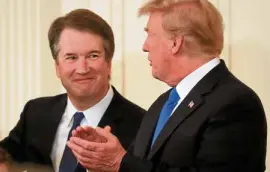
<point x="186" y="108"/>
<point x="51" y="119"/>
<point x="148" y="126"/>
<point x="112" y="113"/>
<point x="192" y="102"/>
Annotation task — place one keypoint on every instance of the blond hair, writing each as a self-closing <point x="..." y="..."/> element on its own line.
<point x="198" y="21"/>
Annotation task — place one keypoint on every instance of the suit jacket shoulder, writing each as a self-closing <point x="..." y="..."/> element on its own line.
<point x="33" y="135"/>
<point x="124" y="117"/>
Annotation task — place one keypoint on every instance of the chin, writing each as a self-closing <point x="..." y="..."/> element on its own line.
<point x="160" y="78"/>
<point x="156" y="76"/>
<point x="85" y="93"/>
<point x="80" y="93"/>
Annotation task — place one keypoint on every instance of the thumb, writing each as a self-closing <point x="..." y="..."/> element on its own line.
<point x="108" y="128"/>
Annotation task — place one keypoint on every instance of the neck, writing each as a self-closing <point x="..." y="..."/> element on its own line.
<point x="187" y="65"/>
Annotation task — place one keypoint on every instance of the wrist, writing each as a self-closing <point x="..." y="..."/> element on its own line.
<point x="120" y="157"/>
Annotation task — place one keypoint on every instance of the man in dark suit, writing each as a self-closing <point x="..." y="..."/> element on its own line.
<point x="82" y="45"/>
<point x="208" y="122"/>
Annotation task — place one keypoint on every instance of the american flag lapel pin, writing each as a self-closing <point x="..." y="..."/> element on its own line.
<point x="191" y="104"/>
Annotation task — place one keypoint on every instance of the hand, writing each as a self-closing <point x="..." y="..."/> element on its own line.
<point x="98" y="156"/>
<point x="89" y="133"/>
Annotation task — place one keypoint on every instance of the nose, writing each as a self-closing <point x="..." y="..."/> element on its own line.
<point x="145" y="46"/>
<point x="82" y="66"/>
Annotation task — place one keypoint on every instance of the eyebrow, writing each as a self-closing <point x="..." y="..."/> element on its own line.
<point x="94" y="51"/>
<point x="90" y="52"/>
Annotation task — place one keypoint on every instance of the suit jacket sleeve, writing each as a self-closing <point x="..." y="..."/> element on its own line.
<point x="14" y="143"/>
<point x="233" y="140"/>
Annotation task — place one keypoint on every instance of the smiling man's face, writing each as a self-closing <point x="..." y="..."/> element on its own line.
<point x="81" y="64"/>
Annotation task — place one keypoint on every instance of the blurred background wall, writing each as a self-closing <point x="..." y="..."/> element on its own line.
<point x="27" y="68"/>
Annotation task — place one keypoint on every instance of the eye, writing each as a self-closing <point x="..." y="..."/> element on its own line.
<point x="93" y="56"/>
<point x="71" y="57"/>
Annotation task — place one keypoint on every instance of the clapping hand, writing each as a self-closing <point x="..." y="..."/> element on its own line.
<point x="97" y="149"/>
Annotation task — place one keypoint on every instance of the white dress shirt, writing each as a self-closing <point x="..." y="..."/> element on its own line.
<point x="92" y="117"/>
<point x="185" y="86"/>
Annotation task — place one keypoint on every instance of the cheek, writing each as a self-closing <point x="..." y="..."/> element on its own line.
<point x="65" y="72"/>
<point x="106" y="72"/>
<point x="101" y="69"/>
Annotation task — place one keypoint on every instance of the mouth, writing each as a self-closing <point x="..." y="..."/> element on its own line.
<point x="83" y="80"/>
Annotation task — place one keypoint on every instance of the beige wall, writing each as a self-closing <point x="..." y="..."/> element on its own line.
<point x="27" y="70"/>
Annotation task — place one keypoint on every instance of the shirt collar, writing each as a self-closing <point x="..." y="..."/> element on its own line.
<point x="185" y="86"/>
<point x="94" y="113"/>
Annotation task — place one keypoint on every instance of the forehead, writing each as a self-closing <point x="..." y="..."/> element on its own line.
<point x="154" y="22"/>
<point x="73" y="39"/>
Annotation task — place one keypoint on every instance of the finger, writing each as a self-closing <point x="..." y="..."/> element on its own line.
<point x="80" y="152"/>
<point x="93" y="135"/>
<point x="74" y="133"/>
<point x="87" y="135"/>
<point x="89" y="129"/>
<point x="80" y="142"/>
<point x="107" y="128"/>
<point x="86" y="162"/>
<point x="82" y="134"/>
<point x="80" y="129"/>
<point x="88" y="145"/>
<point x="92" y="158"/>
<point x="82" y="158"/>
<point x="104" y="133"/>
<point x="90" y="161"/>
<point x="74" y="147"/>
<point x="78" y="132"/>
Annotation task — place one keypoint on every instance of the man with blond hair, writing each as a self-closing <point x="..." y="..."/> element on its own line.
<point x="208" y="122"/>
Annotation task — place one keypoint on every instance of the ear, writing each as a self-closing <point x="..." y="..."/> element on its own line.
<point x="177" y="44"/>
<point x="57" y="70"/>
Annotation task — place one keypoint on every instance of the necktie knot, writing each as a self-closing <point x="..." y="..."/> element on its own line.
<point x="173" y="97"/>
<point x="78" y="116"/>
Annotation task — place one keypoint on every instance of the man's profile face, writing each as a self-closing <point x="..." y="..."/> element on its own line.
<point x="158" y="47"/>
<point x="81" y="64"/>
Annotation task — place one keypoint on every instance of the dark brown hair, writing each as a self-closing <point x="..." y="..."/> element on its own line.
<point x="82" y="20"/>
